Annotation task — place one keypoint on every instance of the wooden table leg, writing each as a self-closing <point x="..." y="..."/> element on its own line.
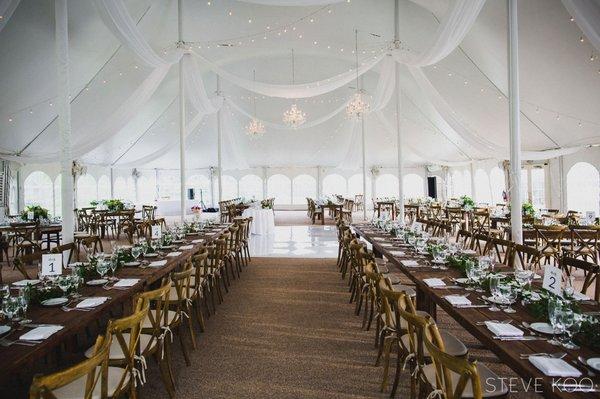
<point x="425" y="303"/>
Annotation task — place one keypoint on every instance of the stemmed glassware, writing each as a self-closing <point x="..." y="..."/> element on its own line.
<point x="102" y="267"/>
<point x="555" y="307"/>
<point x="10" y="307"/>
<point x="64" y="283"/>
<point x="4" y="291"/>
<point x="23" y="303"/>
<point x="136" y="251"/>
<point x="113" y="263"/>
<point x="508" y="295"/>
<point x="495" y="291"/>
<point x="524" y="278"/>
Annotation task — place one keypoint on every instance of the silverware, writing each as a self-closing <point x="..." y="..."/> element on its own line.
<point x="557" y="355"/>
<point x="524" y="338"/>
<point x="68" y="309"/>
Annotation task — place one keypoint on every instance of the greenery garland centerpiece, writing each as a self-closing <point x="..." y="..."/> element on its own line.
<point x="266" y="204"/>
<point x="37" y="211"/>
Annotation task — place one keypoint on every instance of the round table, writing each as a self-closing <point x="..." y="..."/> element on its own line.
<point x="263" y="220"/>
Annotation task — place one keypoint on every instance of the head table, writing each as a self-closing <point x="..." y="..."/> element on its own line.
<point x="429" y="299"/>
<point x="263" y="220"/>
<point x="15" y="359"/>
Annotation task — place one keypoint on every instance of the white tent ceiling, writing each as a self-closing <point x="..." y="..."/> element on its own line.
<point x="560" y="85"/>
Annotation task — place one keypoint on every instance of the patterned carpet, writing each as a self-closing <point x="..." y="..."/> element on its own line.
<point x="286" y="330"/>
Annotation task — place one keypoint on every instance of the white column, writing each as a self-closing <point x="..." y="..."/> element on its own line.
<point x="319" y="189"/>
<point x="219" y="144"/>
<point x="64" y="116"/>
<point x="473" y="191"/>
<point x="398" y="116"/>
<point x="112" y="183"/>
<point x="212" y="186"/>
<point x="563" y="185"/>
<point x="181" y="114"/>
<point x="364" y="168"/>
<point x="265" y="177"/>
<point x="516" y="217"/>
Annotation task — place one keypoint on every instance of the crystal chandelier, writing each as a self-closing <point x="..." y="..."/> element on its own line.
<point x="294" y="116"/>
<point x="358" y="106"/>
<point x="255" y="128"/>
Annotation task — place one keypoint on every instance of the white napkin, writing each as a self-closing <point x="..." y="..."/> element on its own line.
<point x="434" y="282"/>
<point x="198" y="241"/>
<point x="23" y="283"/>
<point x="92" y="302"/>
<point x="126" y="282"/>
<point x="457" y="300"/>
<point x="397" y="253"/>
<point x="174" y="254"/>
<point x="185" y="247"/>
<point x="40" y="333"/>
<point x="554" y="367"/>
<point x="410" y="263"/>
<point x="158" y="263"/>
<point x="504" y="329"/>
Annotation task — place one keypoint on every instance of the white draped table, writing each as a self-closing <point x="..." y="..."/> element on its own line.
<point x="263" y="220"/>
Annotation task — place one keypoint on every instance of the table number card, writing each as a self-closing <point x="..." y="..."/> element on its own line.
<point x="156" y="232"/>
<point x="51" y="264"/>
<point x="553" y="279"/>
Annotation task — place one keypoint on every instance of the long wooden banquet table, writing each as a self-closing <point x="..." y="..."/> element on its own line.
<point x="428" y="299"/>
<point x="15" y="359"/>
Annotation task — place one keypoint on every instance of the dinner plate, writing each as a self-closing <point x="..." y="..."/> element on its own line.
<point x="131" y="264"/>
<point x="491" y="299"/>
<point x="543" y="328"/>
<point x="594" y="362"/>
<point x="178" y="241"/>
<point x="468" y="252"/>
<point x="439" y="262"/>
<point x="100" y="281"/>
<point x="55" y="301"/>
<point x="151" y="255"/>
<point x="4" y="329"/>
<point x="167" y="247"/>
<point x="461" y="280"/>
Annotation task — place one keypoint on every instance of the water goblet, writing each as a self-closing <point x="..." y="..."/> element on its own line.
<point x="10" y="307"/>
<point x="136" y="251"/>
<point x="64" y="283"/>
<point x="495" y="291"/>
<point x="569" y="289"/>
<point x="4" y="291"/>
<point x="102" y="267"/>
<point x="470" y="272"/>
<point x="508" y="295"/>
<point x="572" y="322"/>
<point x="555" y="306"/>
<point x="23" y="300"/>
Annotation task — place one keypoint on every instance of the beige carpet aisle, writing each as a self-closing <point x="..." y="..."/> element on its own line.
<point x="285" y="330"/>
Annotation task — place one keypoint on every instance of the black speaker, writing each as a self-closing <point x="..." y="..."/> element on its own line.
<point x="432" y="186"/>
<point x="191" y="195"/>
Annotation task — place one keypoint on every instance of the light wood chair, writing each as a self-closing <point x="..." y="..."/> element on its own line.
<point x="87" y="379"/>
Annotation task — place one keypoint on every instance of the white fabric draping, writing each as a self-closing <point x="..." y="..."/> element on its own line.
<point x="453" y="28"/>
<point x="117" y="19"/>
<point x="299" y="3"/>
<point x="194" y="88"/>
<point x="263" y="220"/>
<point x="233" y="157"/>
<point x="354" y="152"/>
<point x="587" y="16"/>
<point x="7" y="7"/>
<point x="385" y="85"/>
<point x="301" y="90"/>
<point x="280" y="126"/>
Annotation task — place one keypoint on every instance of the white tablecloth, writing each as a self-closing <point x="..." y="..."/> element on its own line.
<point x="263" y="220"/>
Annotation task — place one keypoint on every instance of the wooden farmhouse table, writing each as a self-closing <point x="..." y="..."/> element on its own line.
<point x="428" y="299"/>
<point x="17" y="361"/>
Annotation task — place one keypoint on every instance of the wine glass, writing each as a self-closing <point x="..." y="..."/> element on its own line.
<point x="23" y="301"/>
<point x="555" y="305"/>
<point x="569" y="289"/>
<point x="4" y="291"/>
<point x="495" y="291"/>
<point x="10" y="307"/>
<point x="136" y="251"/>
<point x="76" y="281"/>
<point x="572" y="322"/>
<point x="113" y="264"/>
<point x="524" y="277"/>
<point x="64" y="283"/>
<point x="508" y="295"/>
<point x="102" y="267"/>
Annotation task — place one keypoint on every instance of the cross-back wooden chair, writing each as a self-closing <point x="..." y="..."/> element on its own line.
<point x="585" y="241"/>
<point x="590" y="273"/>
<point x="480" y="222"/>
<point x="155" y="333"/>
<point x="501" y="250"/>
<point x="525" y="257"/>
<point x="87" y="379"/>
<point x="549" y="240"/>
<point x="20" y="263"/>
<point x="182" y="302"/>
<point x="455" y="377"/>
<point x="481" y="243"/>
<point x="26" y="237"/>
<point x="67" y="250"/>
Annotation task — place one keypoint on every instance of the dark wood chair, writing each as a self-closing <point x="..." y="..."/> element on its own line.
<point x="590" y="273"/>
<point x="525" y="257"/>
